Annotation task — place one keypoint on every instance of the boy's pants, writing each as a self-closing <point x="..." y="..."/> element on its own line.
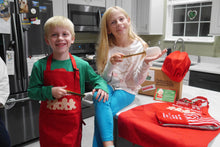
<point x="4" y="137"/>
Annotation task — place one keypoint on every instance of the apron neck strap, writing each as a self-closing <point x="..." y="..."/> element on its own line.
<point x="73" y="62"/>
<point x="49" y="61"/>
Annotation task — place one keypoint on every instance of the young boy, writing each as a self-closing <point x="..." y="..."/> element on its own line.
<point x="52" y="77"/>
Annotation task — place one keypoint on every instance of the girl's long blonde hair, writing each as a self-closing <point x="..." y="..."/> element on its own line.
<point x="107" y="40"/>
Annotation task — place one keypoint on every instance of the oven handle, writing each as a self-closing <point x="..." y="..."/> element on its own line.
<point x="13" y="100"/>
<point x="100" y="17"/>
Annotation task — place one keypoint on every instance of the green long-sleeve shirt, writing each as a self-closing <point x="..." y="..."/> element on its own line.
<point x="37" y="90"/>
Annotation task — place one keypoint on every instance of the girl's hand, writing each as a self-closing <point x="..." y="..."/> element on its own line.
<point x="115" y="58"/>
<point x="58" y="92"/>
<point x="101" y="94"/>
<point x="149" y="59"/>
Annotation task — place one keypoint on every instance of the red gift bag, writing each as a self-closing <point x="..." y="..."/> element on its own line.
<point x="190" y="113"/>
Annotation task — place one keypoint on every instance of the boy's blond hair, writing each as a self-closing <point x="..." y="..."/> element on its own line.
<point x="107" y="40"/>
<point x="58" y="21"/>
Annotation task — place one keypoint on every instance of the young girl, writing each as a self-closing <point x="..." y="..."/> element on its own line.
<point x="123" y="75"/>
<point x="60" y="111"/>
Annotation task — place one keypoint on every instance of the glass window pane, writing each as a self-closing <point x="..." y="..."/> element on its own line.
<point x="178" y="29"/>
<point x="191" y="29"/>
<point x="193" y="5"/>
<point x="179" y="6"/>
<point x="192" y="14"/>
<point x="204" y="29"/>
<point x="206" y="14"/>
<point x="179" y="15"/>
<point x="207" y="3"/>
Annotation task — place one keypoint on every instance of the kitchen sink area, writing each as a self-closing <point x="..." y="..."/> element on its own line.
<point x="194" y="60"/>
<point x="159" y="63"/>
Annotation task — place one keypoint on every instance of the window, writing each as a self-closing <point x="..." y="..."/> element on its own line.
<point x="189" y="19"/>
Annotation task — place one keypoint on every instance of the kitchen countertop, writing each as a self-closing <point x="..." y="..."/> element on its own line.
<point x="206" y="64"/>
<point x="188" y="92"/>
<point x="206" y="67"/>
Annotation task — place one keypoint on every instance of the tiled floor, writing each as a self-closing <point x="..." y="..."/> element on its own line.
<point x="86" y="137"/>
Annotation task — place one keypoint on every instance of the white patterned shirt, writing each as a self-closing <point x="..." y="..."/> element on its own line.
<point x="129" y="74"/>
<point x="4" y="83"/>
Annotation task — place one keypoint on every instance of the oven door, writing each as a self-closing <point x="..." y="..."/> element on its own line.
<point x="85" y="18"/>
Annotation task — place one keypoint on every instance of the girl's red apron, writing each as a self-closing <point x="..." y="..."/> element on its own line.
<point x="60" y="121"/>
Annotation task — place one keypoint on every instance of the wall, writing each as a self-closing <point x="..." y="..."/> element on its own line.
<point x="200" y="49"/>
<point x="217" y="46"/>
<point x="192" y="48"/>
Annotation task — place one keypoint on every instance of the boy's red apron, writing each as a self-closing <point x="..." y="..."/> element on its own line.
<point x="60" y="120"/>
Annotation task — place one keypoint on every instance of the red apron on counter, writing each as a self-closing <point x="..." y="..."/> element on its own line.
<point x="60" y="121"/>
<point x="140" y="126"/>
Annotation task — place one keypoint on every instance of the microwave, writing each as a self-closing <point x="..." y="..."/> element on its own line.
<point x="85" y="18"/>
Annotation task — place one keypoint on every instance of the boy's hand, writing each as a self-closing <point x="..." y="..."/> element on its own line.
<point x="58" y="92"/>
<point x="101" y="94"/>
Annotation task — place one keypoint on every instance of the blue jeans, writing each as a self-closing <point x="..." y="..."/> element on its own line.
<point x="4" y="137"/>
<point x="104" y="113"/>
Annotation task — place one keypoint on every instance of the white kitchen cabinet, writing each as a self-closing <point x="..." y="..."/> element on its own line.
<point x="147" y="16"/>
<point x="125" y="4"/>
<point x="99" y="3"/>
<point x="60" y="8"/>
<point x="109" y="3"/>
<point x="215" y="18"/>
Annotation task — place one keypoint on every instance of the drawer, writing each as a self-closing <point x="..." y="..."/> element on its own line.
<point x="205" y="80"/>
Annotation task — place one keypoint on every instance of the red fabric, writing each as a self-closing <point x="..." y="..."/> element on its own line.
<point x="60" y="121"/>
<point x="176" y="65"/>
<point x="140" y="126"/>
<point x="189" y="120"/>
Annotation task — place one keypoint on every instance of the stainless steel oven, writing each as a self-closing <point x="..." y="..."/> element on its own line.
<point x="85" y="18"/>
